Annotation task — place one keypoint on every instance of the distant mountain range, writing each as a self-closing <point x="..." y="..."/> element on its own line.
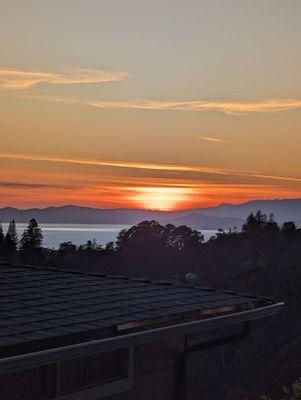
<point x="223" y="216"/>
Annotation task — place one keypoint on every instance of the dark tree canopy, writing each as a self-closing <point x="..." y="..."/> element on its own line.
<point x="1" y="234"/>
<point x="151" y="233"/>
<point x="67" y="248"/>
<point x="32" y="237"/>
<point x="260" y="223"/>
<point x="11" y="238"/>
<point x="289" y="227"/>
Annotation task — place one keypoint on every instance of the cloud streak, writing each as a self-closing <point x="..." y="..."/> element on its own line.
<point x="226" y="107"/>
<point x="93" y="76"/>
<point x="212" y="139"/>
<point x="115" y="164"/>
<point x="11" y="79"/>
<point x="26" y="185"/>
<point x="149" y="166"/>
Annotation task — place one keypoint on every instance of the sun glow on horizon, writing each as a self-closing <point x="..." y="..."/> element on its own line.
<point x="161" y="198"/>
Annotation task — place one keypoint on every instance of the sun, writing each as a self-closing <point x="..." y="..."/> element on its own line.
<point x="160" y="198"/>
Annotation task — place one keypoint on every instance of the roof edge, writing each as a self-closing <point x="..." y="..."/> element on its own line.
<point x="39" y="358"/>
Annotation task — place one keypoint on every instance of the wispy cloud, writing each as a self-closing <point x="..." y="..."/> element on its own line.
<point x="212" y="139"/>
<point x="226" y="107"/>
<point x="16" y="79"/>
<point x="93" y="76"/>
<point x="115" y="164"/>
<point x="46" y="97"/>
<point x="150" y="166"/>
<point x="26" y="185"/>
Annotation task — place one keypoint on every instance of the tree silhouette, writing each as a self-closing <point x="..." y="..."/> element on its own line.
<point x="251" y="223"/>
<point x="288" y="228"/>
<point x="32" y="237"/>
<point x="11" y="238"/>
<point x="271" y="226"/>
<point x="1" y="234"/>
<point x="260" y="223"/>
<point x="67" y="248"/>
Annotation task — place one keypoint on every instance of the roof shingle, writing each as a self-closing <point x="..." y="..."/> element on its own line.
<point x="37" y="305"/>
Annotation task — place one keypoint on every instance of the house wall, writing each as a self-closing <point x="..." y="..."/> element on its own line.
<point x="157" y="371"/>
<point x="156" y="375"/>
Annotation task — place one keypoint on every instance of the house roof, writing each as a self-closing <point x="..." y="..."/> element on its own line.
<point x="42" y="308"/>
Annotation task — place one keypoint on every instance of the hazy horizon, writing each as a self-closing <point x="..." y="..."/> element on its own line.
<point x="149" y="209"/>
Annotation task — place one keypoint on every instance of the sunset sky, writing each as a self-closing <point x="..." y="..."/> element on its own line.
<point x="160" y="104"/>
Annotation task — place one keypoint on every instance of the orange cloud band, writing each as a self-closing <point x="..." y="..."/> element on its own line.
<point x="148" y="166"/>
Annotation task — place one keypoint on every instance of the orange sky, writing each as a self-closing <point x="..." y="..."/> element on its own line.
<point x="160" y="105"/>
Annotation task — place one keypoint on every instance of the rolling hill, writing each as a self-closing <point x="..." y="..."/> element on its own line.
<point x="223" y="216"/>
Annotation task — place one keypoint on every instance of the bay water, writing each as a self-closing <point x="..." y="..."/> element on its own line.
<point x="54" y="234"/>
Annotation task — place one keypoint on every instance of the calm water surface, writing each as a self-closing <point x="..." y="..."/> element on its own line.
<point x="54" y="234"/>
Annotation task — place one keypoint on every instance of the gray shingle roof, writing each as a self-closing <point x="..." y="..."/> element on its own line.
<point x="44" y="307"/>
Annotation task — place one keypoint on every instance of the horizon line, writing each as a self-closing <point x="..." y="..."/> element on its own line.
<point x="152" y="210"/>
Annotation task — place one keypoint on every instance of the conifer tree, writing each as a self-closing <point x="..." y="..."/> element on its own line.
<point x="1" y="234"/>
<point x="11" y="238"/>
<point x="32" y="237"/>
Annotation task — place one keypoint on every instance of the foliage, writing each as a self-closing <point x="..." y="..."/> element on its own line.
<point x="67" y="248"/>
<point x="11" y="239"/>
<point x="32" y="237"/>
<point x="1" y="234"/>
<point x="289" y="228"/>
<point x="294" y="392"/>
<point x="150" y="233"/>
